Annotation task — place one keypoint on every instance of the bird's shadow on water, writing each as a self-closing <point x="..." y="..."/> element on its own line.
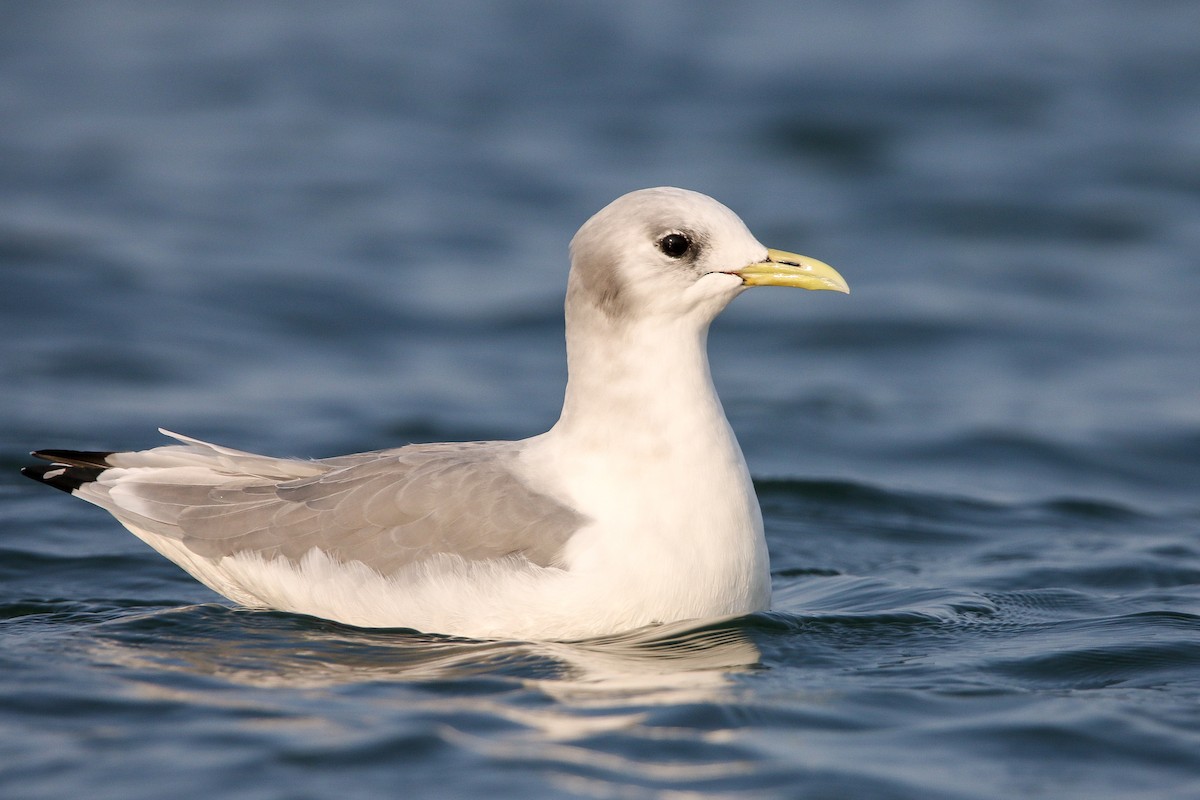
<point x="276" y="649"/>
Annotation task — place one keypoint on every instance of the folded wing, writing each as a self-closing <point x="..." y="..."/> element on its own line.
<point x="386" y="509"/>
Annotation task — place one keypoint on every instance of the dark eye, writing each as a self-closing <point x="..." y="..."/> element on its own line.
<point x="675" y="244"/>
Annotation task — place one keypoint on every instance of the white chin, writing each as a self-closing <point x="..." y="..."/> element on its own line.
<point x="714" y="290"/>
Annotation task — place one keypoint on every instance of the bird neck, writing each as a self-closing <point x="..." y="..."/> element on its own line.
<point x="641" y="382"/>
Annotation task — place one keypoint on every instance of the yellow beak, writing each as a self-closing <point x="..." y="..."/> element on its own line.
<point x="789" y="269"/>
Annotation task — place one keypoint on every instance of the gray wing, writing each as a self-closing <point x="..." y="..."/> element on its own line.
<point x="385" y="509"/>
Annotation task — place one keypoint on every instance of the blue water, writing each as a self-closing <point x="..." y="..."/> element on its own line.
<point x="309" y="229"/>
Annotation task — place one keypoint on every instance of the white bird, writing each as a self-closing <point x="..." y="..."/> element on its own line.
<point x="635" y="508"/>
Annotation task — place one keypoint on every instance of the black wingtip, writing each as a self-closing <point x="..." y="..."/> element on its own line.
<point x="62" y="476"/>
<point x="69" y="469"/>
<point x="75" y="458"/>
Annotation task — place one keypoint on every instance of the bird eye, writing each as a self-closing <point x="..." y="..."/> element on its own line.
<point x="675" y="244"/>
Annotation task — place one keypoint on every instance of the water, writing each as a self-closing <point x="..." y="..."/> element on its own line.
<point x="313" y="229"/>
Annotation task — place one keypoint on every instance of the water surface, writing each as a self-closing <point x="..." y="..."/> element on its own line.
<point x="309" y="230"/>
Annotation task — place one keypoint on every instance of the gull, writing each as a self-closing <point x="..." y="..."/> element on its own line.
<point x="635" y="508"/>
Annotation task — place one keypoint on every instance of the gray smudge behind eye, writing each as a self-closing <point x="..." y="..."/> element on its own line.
<point x="600" y="285"/>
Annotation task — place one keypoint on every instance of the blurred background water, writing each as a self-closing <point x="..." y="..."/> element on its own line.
<point x="310" y="228"/>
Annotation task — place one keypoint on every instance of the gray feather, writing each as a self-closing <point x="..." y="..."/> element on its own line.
<point x="385" y="509"/>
